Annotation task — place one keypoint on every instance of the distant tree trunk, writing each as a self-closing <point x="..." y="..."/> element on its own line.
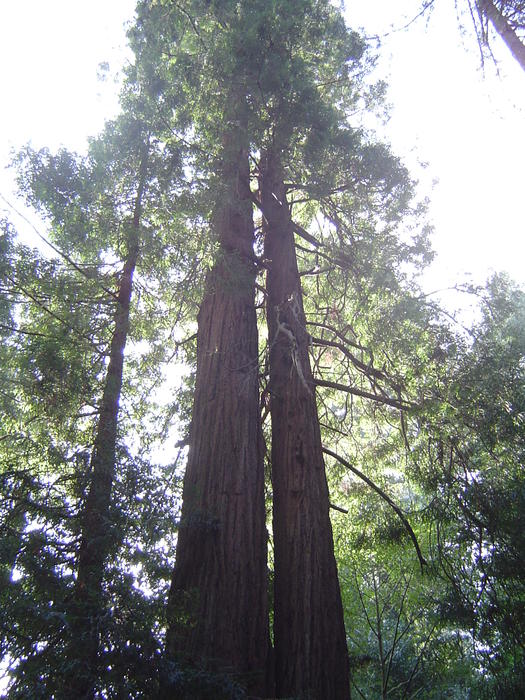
<point x="309" y="635"/>
<point x="96" y="526"/>
<point x="217" y="609"/>
<point x="504" y="28"/>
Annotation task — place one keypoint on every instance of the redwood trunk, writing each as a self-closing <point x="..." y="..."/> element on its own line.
<point x="309" y="635"/>
<point x="217" y="611"/>
<point x="96" y="528"/>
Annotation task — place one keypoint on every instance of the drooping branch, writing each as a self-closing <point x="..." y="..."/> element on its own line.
<point x="385" y="497"/>
<point x="25" y="292"/>
<point x="367" y="369"/>
<point x="13" y="329"/>
<point x="338" y="334"/>
<point x="395" y="403"/>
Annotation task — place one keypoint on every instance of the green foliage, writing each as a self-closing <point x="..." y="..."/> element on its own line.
<point x="60" y="331"/>
<point x="455" y="463"/>
<point x="434" y="418"/>
<point x="484" y="484"/>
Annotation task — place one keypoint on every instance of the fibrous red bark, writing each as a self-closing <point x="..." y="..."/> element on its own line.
<point x="309" y="635"/>
<point x="217" y="610"/>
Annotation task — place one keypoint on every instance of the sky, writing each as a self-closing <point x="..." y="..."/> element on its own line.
<point x="468" y="126"/>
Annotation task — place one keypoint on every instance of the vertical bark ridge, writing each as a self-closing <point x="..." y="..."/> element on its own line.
<point x="310" y="641"/>
<point x="217" y="609"/>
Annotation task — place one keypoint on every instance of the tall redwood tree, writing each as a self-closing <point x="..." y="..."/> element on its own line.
<point x="310" y="643"/>
<point x="217" y="610"/>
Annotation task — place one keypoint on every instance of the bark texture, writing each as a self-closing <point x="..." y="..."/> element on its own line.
<point x="217" y="610"/>
<point x="96" y="527"/>
<point x="505" y="29"/>
<point x="309" y="635"/>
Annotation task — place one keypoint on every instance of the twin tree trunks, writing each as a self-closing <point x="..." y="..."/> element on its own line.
<point x="311" y="657"/>
<point x="218" y="609"/>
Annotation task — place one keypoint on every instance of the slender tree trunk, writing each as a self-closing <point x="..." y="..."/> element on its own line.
<point x="309" y="635"/>
<point x="217" y="609"/>
<point x="504" y="29"/>
<point x="381" y="649"/>
<point x="97" y="528"/>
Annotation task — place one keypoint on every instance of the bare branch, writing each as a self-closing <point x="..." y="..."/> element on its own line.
<point x="338" y="334"/>
<point x="367" y="369"/>
<point x="300" y="231"/>
<point x="385" y="497"/>
<point x="338" y="508"/>
<point x="364" y="394"/>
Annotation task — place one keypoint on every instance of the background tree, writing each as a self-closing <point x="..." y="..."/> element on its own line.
<point x="480" y="452"/>
<point x="95" y="209"/>
<point x="437" y="471"/>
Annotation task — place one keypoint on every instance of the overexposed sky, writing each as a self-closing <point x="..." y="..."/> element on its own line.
<point x="469" y="128"/>
<point x="49" y="54"/>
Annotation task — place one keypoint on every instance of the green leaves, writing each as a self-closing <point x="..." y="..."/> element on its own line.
<point x="435" y="419"/>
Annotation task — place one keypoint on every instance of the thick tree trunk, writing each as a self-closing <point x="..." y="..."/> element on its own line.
<point x="504" y="29"/>
<point x="96" y="528"/>
<point x="217" y="610"/>
<point x="309" y="635"/>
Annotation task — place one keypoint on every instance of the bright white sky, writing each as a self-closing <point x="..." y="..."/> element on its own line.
<point x="470" y="129"/>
